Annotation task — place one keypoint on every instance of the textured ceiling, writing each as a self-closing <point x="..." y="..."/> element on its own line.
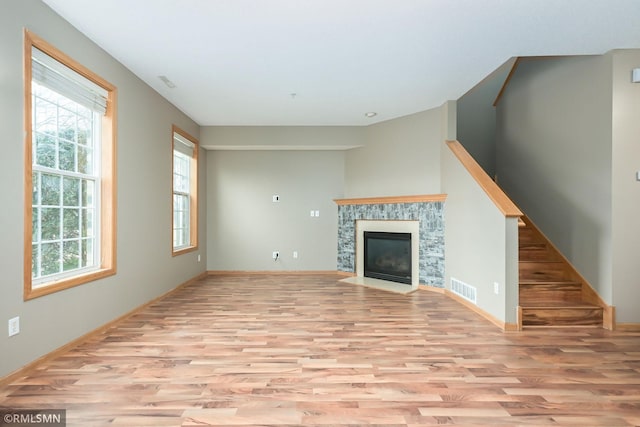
<point x="328" y="62"/>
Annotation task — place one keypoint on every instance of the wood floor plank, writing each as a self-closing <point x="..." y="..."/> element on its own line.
<point x="304" y="349"/>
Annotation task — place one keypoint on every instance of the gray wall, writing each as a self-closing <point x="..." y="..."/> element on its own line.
<point x="282" y="137"/>
<point x="145" y="267"/>
<point x="400" y="157"/>
<point x="554" y="156"/>
<point x="244" y="224"/>
<point x="626" y="189"/>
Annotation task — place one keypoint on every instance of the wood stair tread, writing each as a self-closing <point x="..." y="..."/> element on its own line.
<point x="539" y="261"/>
<point x="532" y="246"/>
<point x="558" y="304"/>
<point x="548" y="282"/>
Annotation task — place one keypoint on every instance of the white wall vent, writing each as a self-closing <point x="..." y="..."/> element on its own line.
<point x="460" y="288"/>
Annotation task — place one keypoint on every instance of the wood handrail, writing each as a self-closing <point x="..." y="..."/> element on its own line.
<point x="392" y="199"/>
<point x="495" y="193"/>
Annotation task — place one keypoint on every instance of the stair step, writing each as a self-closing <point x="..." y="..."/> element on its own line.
<point x="532" y="245"/>
<point x="553" y="313"/>
<point x="532" y="292"/>
<point x="543" y="271"/>
<point x="555" y="304"/>
<point x="536" y="252"/>
<point x="527" y="235"/>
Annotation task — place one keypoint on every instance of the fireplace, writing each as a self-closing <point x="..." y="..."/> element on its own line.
<point x="400" y="235"/>
<point x="387" y="256"/>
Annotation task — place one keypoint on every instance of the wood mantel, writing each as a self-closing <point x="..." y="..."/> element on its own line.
<point x="392" y="199"/>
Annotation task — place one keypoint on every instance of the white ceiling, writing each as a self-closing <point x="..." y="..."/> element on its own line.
<point x="238" y="62"/>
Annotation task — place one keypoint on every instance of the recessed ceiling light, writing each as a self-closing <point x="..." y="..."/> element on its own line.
<point x="371" y="114"/>
<point x="166" y="81"/>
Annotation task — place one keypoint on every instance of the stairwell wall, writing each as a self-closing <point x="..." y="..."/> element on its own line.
<point x="625" y="185"/>
<point x="554" y="157"/>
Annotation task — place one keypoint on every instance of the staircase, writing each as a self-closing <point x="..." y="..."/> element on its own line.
<point x="551" y="292"/>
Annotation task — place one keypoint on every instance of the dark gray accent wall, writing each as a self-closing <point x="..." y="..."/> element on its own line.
<point x="476" y="118"/>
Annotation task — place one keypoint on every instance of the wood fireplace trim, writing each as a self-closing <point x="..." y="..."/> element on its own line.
<point x="392" y="199"/>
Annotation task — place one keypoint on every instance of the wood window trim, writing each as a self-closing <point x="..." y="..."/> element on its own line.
<point x="193" y="193"/>
<point x="108" y="183"/>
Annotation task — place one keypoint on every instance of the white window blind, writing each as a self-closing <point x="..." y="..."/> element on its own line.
<point x="183" y="145"/>
<point x="58" y="77"/>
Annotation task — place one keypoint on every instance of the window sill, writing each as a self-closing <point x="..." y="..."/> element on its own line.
<point x="185" y="250"/>
<point x="55" y="286"/>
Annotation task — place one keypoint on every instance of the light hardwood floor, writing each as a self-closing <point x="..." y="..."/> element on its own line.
<point x="311" y="350"/>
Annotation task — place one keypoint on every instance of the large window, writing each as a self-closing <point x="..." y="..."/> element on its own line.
<point x="69" y="172"/>
<point x="185" y="192"/>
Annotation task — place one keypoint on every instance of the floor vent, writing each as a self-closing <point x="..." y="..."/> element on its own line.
<point x="467" y="292"/>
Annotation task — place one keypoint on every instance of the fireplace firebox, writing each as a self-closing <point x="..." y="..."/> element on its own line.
<point x="387" y="256"/>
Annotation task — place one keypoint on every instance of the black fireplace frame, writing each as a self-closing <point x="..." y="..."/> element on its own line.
<point x="379" y="273"/>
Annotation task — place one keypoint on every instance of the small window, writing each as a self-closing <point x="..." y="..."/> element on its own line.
<point x="69" y="172"/>
<point x="185" y="192"/>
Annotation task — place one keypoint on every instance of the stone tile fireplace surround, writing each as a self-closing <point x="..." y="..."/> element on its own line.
<point x="428" y="210"/>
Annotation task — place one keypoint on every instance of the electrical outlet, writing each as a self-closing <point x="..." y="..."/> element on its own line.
<point x="496" y="288"/>
<point x="14" y="326"/>
<point x="199" y="258"/>
<point x="276" y="255"/>
<point x="295" y="254"/>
